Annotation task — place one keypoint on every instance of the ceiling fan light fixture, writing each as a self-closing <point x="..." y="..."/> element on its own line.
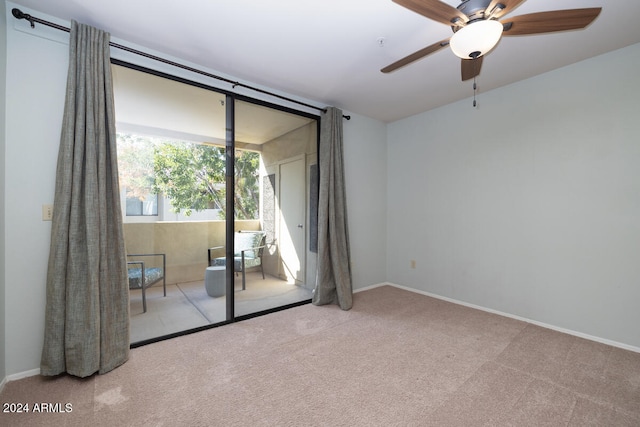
<point x="476" y="39"/>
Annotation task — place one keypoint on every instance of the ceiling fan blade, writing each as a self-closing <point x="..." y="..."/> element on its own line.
<point x="415" y="56"/>
<point x="471" y="67"/>
<point x="548" y="22"/>
<point x="506" y="6"/>
<point x="434" y="9"/>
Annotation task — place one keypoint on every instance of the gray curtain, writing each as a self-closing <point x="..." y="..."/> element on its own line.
<point x="333" y="282"/>
<point x="87" y="311"/>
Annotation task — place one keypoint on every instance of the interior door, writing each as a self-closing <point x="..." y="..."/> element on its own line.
<point x="292" y="218"/>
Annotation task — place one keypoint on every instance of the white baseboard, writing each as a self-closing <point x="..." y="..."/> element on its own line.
<point x="25" y="374"/>
<point x="19" y="376"/>
<point x="512" y="316"/>
<point x="377" y="285"/>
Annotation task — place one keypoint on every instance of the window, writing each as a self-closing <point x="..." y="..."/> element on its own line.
<point x="147" y="206"/>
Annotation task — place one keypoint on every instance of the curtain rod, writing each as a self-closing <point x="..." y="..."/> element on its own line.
<point x="18" y="14"/>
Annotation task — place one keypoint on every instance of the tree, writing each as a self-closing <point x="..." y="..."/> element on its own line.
<point x="192" y="176"/>
<point x="247" y="194"/>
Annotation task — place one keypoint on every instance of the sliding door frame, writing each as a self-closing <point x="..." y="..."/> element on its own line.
<point x="230" y="144"/>
<point x="230" y="147"/>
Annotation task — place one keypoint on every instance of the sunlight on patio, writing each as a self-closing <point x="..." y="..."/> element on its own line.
<point x="188" y="306"/>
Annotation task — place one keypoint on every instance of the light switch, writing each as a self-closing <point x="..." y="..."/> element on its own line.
<point x="47" y="212"/>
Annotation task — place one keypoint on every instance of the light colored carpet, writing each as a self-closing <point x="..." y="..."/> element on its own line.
<point x="395" y="359"/>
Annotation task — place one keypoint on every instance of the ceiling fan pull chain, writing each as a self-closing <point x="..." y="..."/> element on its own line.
<point x="474" y="91"/>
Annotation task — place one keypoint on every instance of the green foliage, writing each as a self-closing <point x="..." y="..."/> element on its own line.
<point x="247" y="194"/>
<point x="191" y="175"/>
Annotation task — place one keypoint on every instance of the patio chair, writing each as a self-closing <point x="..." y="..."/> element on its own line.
<point x="142" y="276"/>
<point x="249" y="247"/>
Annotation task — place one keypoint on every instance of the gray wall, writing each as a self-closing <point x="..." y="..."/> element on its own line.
<point x="36" y="79"/>
<point x="530" y="204"/>
<point x="3" y="67"/>
<point x="365" y="159"/>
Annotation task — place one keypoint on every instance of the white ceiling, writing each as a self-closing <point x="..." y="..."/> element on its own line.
<point x="328" y="51"/>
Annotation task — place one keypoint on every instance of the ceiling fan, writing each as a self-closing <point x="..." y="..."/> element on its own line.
<point x="476" y="29"/>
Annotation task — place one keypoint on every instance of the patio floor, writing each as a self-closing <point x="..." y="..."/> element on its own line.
<point x="188" y="306"/>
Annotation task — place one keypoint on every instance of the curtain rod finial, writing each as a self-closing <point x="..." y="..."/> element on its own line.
<point x="18" y="14"/>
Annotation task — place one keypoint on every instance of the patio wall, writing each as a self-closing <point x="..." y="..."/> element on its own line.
<point x="184" y="243"/>
<point x="301" y="142"/>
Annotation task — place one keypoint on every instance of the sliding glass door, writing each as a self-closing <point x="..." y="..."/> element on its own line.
<point x="217" y="196"/>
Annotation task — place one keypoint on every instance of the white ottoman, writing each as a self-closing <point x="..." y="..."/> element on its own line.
<point x="214" y="281"/>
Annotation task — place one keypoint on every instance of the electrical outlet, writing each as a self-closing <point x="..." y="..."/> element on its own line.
<point x="47" y="212"/>
<point x="413" y="263"/>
